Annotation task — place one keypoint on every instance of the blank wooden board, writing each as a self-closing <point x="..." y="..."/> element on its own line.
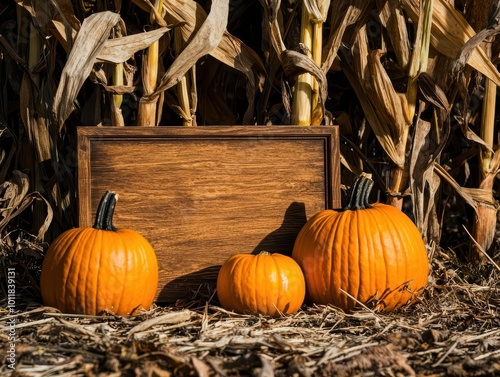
<point x="202" y="194"/>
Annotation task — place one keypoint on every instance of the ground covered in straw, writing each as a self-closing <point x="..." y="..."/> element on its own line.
<point x="454" y="330"/>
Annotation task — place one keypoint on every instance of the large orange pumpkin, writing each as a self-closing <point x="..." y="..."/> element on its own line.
<point x="363" y="253"/>
<point x="267" y="284"/>
<point x="101" y="268"/>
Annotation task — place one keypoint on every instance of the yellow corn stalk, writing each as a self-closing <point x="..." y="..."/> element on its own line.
<point x="116" y="113"/>
<point x="317" y="56"/>
<point x="148" y="114"/>
<point x="306" y="107"/>
<point x="301" y="105"/>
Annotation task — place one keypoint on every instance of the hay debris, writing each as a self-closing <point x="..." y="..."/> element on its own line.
<point x="454" y="330"/>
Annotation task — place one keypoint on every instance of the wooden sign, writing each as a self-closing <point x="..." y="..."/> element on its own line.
<point x="202" y="194"/>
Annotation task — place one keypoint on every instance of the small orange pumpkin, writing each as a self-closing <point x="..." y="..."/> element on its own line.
<point x="363" y="253"/>
<point x="101" y="268"/>
<point x="267" y="284"/>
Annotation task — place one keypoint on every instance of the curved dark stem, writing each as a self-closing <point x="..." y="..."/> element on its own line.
<point x="360" y="194"/>
<point x="105" y="211"/>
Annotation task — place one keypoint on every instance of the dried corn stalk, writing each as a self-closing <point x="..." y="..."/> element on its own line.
<point x="398" y="176"/>
<point x="317" y="55"/>
<point x="149" y="112"/>
<point x="301" y="104"/>
<point x="207" y="38"/>
<point x="91" y="45"/>
<point x="118" y="73"/>
<point x="307" y="108"/>
<point x="485" y="220"/>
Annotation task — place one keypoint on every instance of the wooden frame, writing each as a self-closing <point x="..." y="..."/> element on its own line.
<point x="202" y="194"/>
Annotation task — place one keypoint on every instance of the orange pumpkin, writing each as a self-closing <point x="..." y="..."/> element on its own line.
<point x="267" y="284"/>
<point x="363" y="253"/>
<point x="101" y="268"/>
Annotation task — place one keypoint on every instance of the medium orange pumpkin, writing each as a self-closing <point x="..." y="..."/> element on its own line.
<point x="267" y="284"/>
<point x="101" y="268"/>
<point x="363" y="253"/>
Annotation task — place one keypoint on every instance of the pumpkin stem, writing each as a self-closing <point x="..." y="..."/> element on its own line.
<point x="105" y="210"/>
<point x="360" y="193"/>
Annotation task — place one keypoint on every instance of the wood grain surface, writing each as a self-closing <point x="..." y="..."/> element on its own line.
<point x="202" y="194"/>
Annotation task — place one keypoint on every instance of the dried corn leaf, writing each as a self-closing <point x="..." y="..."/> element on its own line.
<point x="230" y="51"/>
<point x="355" y="68"/>
<point x="471" y="196"/>
<point x="206" y="39"/>
<point x="15" y="199"/>
<point x="492" y="29"/>
<point x="418" y="63"/>
<point x="387" y="103"/>
<point x="295" y="63"/>
<point x="431" y="91"/>
<point x="119" y="50"/>
<point x="470" y="134"/>
<point x="424" y="181"/>
<point x="66" y="13"/>
<point x="484" y="228"/>
<point x="95" y="49"/>
<point x="88" y="44"/>
<point x="480" y="196"/>
<point x="61" y="33"/>
<point x="170" y="318"/>
<point x="115" y="50"/>
<point x="13" y="193"/>
<point x="156" y="17"/>
<point x="380" y="129"/>
<point x="420" y="54"/>
<point x="450" y="32"/>
<point x="394" y="21"/>
<point x="34" y="122"/>
<point x="271" y="25"/>
<point x="316" y="10"/>
<point x="343" y="14"/>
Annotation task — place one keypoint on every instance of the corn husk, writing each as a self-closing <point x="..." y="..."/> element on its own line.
<point x="393" y="19"/>
<point x="359" y="77"/>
